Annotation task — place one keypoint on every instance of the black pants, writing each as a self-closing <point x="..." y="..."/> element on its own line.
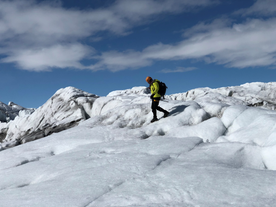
<point x="155" y="106"/>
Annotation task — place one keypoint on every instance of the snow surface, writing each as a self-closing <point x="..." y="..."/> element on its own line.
<point x="214" y="149"/>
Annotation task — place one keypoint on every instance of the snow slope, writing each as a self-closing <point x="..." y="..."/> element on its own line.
<point x="213" y="150"/>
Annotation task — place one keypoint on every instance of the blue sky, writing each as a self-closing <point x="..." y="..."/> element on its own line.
<point x="101" y="46"/>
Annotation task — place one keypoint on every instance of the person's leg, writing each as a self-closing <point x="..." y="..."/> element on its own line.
<point x="154" y="106"/>
<point x="166" y="113"/>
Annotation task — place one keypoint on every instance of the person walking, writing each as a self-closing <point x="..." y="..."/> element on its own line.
<point x="155" y="96"/>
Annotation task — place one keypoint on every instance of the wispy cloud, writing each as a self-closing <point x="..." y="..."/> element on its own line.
<point x="116" y="61"/>
<point x="248" y="44"/>
<point x="178" y="70"/>
<point x="30" y="33"/>
<point x="260" y="7"/>
<point x="57" y="56"/>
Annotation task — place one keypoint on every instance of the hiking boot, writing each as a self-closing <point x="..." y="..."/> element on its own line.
<point x="154" y="119"/>
<point x="166" y="114"/>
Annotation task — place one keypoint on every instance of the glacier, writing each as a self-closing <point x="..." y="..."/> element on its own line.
<point x="216" y="148"/>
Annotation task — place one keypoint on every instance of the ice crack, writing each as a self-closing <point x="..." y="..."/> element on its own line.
<point x="110" y="188"/>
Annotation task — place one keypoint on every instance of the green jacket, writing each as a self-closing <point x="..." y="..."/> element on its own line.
<point x="154" y="88"/>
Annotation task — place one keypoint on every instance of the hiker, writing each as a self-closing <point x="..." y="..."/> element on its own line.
<point x="155" y="96"/>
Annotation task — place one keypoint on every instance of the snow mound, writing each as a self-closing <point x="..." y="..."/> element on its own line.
<point x="135" y="90"/>
<point x="249" y="94"/>
<point x="211" y="122"/>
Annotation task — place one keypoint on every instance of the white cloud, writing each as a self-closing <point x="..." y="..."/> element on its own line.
<point x="260" y="7"/>
<point x="40" y="36"/>
<point x="141" y="10"/>
<point x="26" y="25"/>
<point x="57" y="56"/>
<point x="116" y="61"/>
<point x="204" y="27"/>
<point x="178" y="70"/>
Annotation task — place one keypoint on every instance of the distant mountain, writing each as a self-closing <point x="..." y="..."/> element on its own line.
<point x="10" y="111"/>
<point x="66" y="108"/>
